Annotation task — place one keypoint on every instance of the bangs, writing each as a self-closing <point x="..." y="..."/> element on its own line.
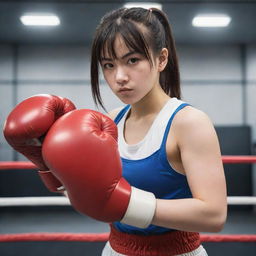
<point x="132" y="35"/>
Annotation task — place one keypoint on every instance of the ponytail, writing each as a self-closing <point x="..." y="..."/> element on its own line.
<point x="170" y="76"/>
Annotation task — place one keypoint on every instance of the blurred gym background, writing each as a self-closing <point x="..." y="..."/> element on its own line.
<point x="218" y="76"/>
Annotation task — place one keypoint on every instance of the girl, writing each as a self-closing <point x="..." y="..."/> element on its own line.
<point x="167" y="146"/>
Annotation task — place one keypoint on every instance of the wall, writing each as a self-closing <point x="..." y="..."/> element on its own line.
<point x="218" y="79"/>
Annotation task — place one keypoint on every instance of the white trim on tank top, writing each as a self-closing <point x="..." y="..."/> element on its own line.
<point x="154" y="136"/>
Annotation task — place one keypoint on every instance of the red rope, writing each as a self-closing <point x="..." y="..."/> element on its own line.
<point x="228" y="238"/>
<point x="103" y="237"/>
<point x="16" y="165"/>
<point x="238" y="159"/>
<point x="28" y="165"/>
<point x="25" y="237"/>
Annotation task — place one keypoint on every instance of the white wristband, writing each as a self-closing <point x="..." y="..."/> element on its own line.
<point x="141" y="208"/>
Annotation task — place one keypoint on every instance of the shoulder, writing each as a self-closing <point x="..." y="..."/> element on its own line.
<point x="192" y="123"/>
<point x="191" y="116"/>
<point x="113" y="113"/>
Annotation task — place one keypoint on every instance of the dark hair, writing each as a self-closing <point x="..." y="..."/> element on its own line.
<point x="155" y="37"/>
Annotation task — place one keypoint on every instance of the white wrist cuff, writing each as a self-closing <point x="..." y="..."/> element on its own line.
<point x="141" y="208"/>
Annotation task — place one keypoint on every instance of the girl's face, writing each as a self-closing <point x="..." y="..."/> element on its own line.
<point x="130" y="76"/>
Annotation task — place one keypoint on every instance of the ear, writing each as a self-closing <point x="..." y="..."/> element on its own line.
<point x="163" y="59"/>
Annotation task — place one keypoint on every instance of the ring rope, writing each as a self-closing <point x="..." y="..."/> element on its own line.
<point x="34" y="201"/>
<point x="24" y="237"/>
<point x="103" y="237"/>
<point x="238" y="159"/>
<point x="64" y="201"/>
<point x="8" y="165"/>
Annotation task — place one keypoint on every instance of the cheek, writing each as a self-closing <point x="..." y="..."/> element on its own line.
<point x="145" y="78"/>
<point x="105" y="75"/>
<point x="108" y="78"/>
<point x="144" y="68"/>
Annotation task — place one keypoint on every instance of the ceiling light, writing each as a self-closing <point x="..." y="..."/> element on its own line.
<point x="145" y="5"/>
<point x="40" y="20"/>
<point x="211" y="20"/>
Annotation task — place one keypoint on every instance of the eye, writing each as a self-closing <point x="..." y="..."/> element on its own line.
<point x="108" y="66"/>
<point x="133" y="60"/>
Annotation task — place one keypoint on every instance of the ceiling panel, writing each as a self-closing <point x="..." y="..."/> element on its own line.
<point x="80" y="18"/>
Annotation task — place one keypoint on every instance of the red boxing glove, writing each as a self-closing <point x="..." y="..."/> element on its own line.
<point x="28" y="123"/>
<point x="81" y="150"/>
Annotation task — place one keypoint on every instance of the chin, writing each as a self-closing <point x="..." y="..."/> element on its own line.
<point x="126" y="100"/>
<point x="129" y="101"/>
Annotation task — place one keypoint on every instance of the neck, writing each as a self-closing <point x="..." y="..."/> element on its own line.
<point x="152" y="103"/>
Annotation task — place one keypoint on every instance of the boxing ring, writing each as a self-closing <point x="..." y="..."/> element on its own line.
<point x="103" y="237"/>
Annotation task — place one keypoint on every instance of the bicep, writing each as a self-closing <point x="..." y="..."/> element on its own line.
<point x="201" y="159"/>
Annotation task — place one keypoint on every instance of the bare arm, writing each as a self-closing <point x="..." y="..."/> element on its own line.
<point x="201" y="159"/>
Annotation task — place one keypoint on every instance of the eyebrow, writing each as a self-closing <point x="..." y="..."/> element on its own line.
<point x="123" y="57"/>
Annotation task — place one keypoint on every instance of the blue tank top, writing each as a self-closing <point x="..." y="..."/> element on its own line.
<point x="153" y="174"/>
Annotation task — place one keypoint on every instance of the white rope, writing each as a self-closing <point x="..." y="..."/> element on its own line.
<point x="242" y="200"/>
<point x="34" y="201"/>
<point x="64" y="201"/>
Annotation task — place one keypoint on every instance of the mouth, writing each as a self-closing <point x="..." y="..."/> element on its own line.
<point x="122" y="90"/>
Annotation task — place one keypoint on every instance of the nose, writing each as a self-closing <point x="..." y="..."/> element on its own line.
<point x="121" y="76"/>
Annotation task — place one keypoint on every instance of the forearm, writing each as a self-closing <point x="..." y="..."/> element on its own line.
<point x="189" y="215"/>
